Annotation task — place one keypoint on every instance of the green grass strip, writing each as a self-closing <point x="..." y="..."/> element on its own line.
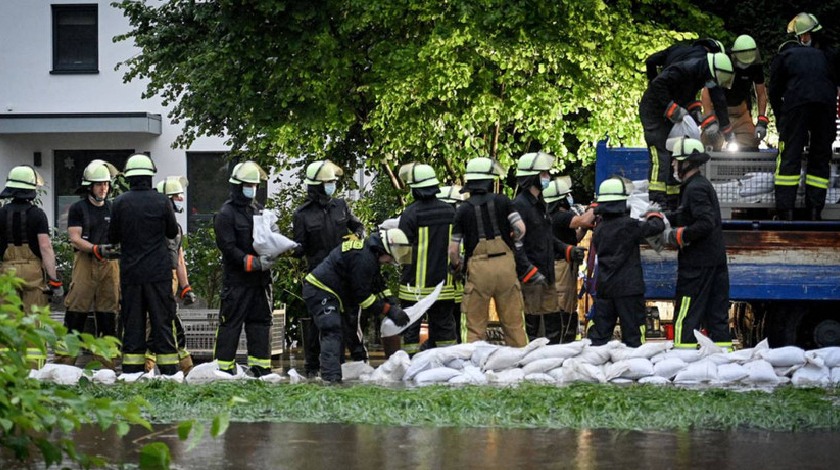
<point x="630" y="407"/>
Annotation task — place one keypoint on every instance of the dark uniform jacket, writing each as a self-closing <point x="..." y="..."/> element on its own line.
<point x="142" y="220"/>
<point x="699" y="213"/>
<point x="234" y="226"/>
<point x="540" y="243"/>
<point x="801" y="75"/>
<point x="427" y="223"/>
<point x="319" y="225"/>
<point x="561" y="222"/>
<point x="466" y="225"/>
<point x="616" y="240"/>
<point x="351" y="272"/>
<point x="11" y="218"/>
<point x="658" y="61"/>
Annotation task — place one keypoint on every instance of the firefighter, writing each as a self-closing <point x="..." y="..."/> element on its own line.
<point x="664" y="104"/>
<point x="659" y="61"/>
<point x="26" y="247"/>
<point x="539" y="247"/>
<point x="319" y="225"/>
<point x="803" y="94"/>
<point x="427" y="222"/>
<point x="141" y="222"/>
<point x="748" y="82"/>
<point x="621" y="285"/>
<point x="702" y="275"/>
<point x="246" y="280"/>
<point x="350" y="275"/>
<point x="569" y="227"/>
<point x="173" y="187"/>
<point x="453" y="196"/>
<point x="95" y="286"/>
<point x="488" y="224"/>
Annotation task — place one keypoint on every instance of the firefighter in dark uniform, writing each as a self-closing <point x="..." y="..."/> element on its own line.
<point x="539" y="246"/>
<point x="321" y="224"/>
<point x="487" y="223"/>
<point x="350" y="275"/>
<point x="452" y="195"/>
<point x="95" y="286"/>
<point x="141" y="222"/>
<point x="664" y="103"/>
<point x="659" y="61"/>
<point x="427" y="222"/>
<point x="803" y="94"/>
<point x="702" y="275"/>
<point x="569" y="227"/>
<point x="246" y="279"/>
<point x="25" y="246"/>
<point x="621" y="284"/>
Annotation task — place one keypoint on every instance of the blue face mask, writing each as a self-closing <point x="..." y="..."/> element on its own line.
<point x="544" y="182"/>
<point x="249" y="192"/>
<point x="329" y="188"/>
<point x="570" y="199"/>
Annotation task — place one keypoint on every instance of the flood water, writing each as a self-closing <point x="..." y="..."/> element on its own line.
<point x="340" y="447"/>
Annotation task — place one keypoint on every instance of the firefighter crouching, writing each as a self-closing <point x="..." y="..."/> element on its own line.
<point x="350" y="275"/>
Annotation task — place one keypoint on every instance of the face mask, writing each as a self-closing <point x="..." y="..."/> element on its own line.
<point x="544" y="182"/>
<point x="249" y="192"/>
<point x="570" y="199"/>
<point x="179" y="206"/>
<point x="805" y="43"/>
<point x="329" y="188"/>
<point x="711" y="84"/>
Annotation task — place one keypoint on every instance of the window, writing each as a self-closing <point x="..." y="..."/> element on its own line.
<point x="68" y="168"/>
<point x="208" y="189"/>
<point x="75" y="39"/>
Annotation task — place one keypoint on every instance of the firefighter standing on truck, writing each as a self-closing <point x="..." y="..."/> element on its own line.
<point x="25" y="245"/>
<point x="246" y="297"/>
<point x="664" y="104"/>
<point x="319" y="225"/>
<point x="488" y="224"/>
<point x="427" y="222"/>
<point x="141" y="222"/>
<point x="95" y="286"/>
<point x="702" y="274"/>
<point x="350" y="275"/>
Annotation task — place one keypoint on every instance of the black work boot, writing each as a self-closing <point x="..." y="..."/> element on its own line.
<point x="814" y="214"/>
<point x="257" y="371"/>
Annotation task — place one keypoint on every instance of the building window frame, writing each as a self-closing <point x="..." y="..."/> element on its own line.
<point x="61" y="63"/>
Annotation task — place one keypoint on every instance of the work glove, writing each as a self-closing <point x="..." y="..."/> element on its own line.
<point x="674" y="237"/>
<point x="675" y="113"/>
<point x="534" y="277"/>
<point x="695" y="109"/>
<point x="56" y="289"/>
<point x="575" y="254"/>
<point x="187" y="295"/>
<point x="397" y="315"/>
<point x="257" y="263"/>
<point x="105" y="252"/>
<point x="652" y="209"/>
<point x="761" y="127"/>
<point x="456" y="272"/>
<point x="578" y="209"/>
<point x="710" y="126"/>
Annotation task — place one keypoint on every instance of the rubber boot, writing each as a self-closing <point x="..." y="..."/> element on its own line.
<point x="64" y="360"/>
<point x="106" y="363"/>
<point x="258" y="371"/>
<point x="186" y="364"/>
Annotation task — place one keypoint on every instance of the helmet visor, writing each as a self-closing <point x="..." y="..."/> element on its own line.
<point x="401" y="253"/>
<point x="725" y="78"/>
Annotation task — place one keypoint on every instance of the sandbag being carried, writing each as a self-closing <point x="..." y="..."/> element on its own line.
<point x="267" y="239"/>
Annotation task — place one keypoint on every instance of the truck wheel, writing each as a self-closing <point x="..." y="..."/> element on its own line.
<point x="783" y="324"/>
<point x="820" y="328"/>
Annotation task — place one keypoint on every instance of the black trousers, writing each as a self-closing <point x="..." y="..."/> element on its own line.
<point x="442" y="326"/>
<point x="325" y="310"/>
<point x="813" y="125"/>
<point x="249" y="306"/>
<point x="153" y="301"/>
<point x="630" y="310"/>
<point x="702" y="301"/>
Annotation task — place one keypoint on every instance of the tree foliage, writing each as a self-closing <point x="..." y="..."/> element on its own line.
<point x="385" y="82"/>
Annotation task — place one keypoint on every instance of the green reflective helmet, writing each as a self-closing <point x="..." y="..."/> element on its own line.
<point x="139" y="164"/>
<point x="418" y="175"/>
<point x="396" y="244"/>
<point x="450" y="194"/>
<point x="689" y="149"/>
<point x="172" y="185"/>
<point x="483" y="168"/>
<point x="534" y="163"/>
<point x="745" y="50"/>
<point x="24" y="177"/>
<point x="98" y="171"/>
<point x="247" y="172"/>
<point x="557" y="189"/>
<point x="721" y="67"/>
<point x="612" y="189"/>
<point x="803" y="23"/>
<point x="321" y="172"/>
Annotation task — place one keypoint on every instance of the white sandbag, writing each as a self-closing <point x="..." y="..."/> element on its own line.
<point x="130" y="378"/>
<point x="391" y="370"/>
<point x="834" y="378"/>
<point x="787" y="371"/>
<point x="509" y="376"/>
<point x="811" y="374"/>
<point x="436" y="375"/>
<point x="470" y="375"/>
<point x="61" y="374"/>
<point x="685" y="128"/>
<point x="390" y="223"/>
<point x="539" y="377"/>
<point x="104" y="377"/>
<point x="556" y="351"/>
<point x="686" y="355"/>
<point x="462" y="350"/>
<point x="267" y="240"/>
<point x="719" y="358"/>
<point x="506" y="357"/>
<point x="414" y="312"/>
<point x="634" y="369"/>
<point x="423" y="360"/>
<point x="707" y="346"/>
<point x="456" y="363"/>
<point x="574" y="370"/>
<point x="731" y="373"/>
<point x="597" y="355"/>
<point x="783" y="357"/>
<point x="295" y="377"/>
<point x="177" y="377"/>
<point x="668" y="368"/>
<point x="272" y="378"/>
<point x="482" y="351"/>
<point x="355" y="369"/>
<point x="542" y="365"/>
<point x="830" y="355"/>
<point x="753" y="184"/>
<point x="761" y="372"/>
<point x="654" y="380"/>
<point x="638" y="204"/>
<point x="620" y="381"/>
<point x="203" y="373"/>
<point x="645" y="351"/>
<point x="702" y="371"/>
